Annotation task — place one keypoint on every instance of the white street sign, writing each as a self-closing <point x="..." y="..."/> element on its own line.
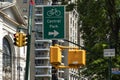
<point x="109" y="52"/>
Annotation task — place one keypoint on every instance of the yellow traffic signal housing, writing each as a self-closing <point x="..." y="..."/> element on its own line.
<point x="20" y="39"/>
<point x="76" y="58"/>
<point x="24" y="39"/>
<point x="17" y="39"/>
<point x="55" y="55"/>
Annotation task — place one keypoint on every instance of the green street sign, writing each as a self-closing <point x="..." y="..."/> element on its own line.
<point x="53" y="22"/>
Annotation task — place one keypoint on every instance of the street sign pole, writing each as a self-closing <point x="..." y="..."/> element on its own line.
<point x="54" y="70"/>
<point x="109" y="53"/>
<point x="31" y="3"/>
<point x="109" y="62"/>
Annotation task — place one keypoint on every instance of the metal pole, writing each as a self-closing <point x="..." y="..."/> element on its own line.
<point x="109" y="69"/>
<point x="109" y="60"/>
<point x="54" y="70"/>
<point x="29" y="39"/>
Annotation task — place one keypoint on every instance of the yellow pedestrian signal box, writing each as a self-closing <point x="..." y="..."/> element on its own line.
<point x="55" y="55"/>
<point x="76" y="58"/>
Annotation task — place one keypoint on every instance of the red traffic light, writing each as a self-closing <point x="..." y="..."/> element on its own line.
<point x="16" y="35"/>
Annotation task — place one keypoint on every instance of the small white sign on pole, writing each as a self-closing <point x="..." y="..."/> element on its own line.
<point x="109" y="52"/>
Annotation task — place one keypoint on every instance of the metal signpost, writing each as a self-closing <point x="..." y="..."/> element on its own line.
<point x="54" y="22"/>
<point x="109" y="53"/>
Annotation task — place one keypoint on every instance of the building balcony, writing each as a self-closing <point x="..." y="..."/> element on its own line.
<point x="43" y="75"/>
<point x="38" y="22"/>
<point x="38" y="14"/>
<point x="47" y="57"/>
<point x="42" y="44"/>
<point x="43" y="66"/>
<point x="48" y="41"/>
<point x="39" y="72"/>
<point x="39" y="47"/>
<point x="61" y="79"/>
<point x="61" y="71"/>
<point x="43" y="49"/>
<point x="39" y="55"/>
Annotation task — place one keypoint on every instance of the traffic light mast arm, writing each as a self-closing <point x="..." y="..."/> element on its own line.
<point x="75" y="43"/>
<point x="78" y="45"/>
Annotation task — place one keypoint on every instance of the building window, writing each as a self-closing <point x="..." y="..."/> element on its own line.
<point x="7" y="60"/>
<point x="24" y="1"/>
<point x="39" y="71"/>
<point x="6" y="0"/>
<point x="39" y="62"/>
<point x="38" y="36"/>
<point x="38" y="27"/>
<point x="39" y="2"/>
<point x="41" y="45"/>
<point x="38" y="10"/>
<point x="41" y="53"/>
<point x="38" y="19"/>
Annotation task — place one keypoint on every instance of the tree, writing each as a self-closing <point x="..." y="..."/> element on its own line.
<point x="100" y="25"/>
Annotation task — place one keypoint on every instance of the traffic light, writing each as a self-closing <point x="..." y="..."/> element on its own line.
<point x="24" y="39"/>
<point x="76" y="58"/>
<point x="20" y="39"/>
<point x="16" y="39"/>
<point x="55" y="55"/>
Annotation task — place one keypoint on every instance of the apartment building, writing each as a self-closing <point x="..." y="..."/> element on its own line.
<point x="71" y="35"/>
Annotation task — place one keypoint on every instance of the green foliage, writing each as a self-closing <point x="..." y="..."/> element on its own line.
<point x="99" y="20"/>
<point x="69" y="7"/>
